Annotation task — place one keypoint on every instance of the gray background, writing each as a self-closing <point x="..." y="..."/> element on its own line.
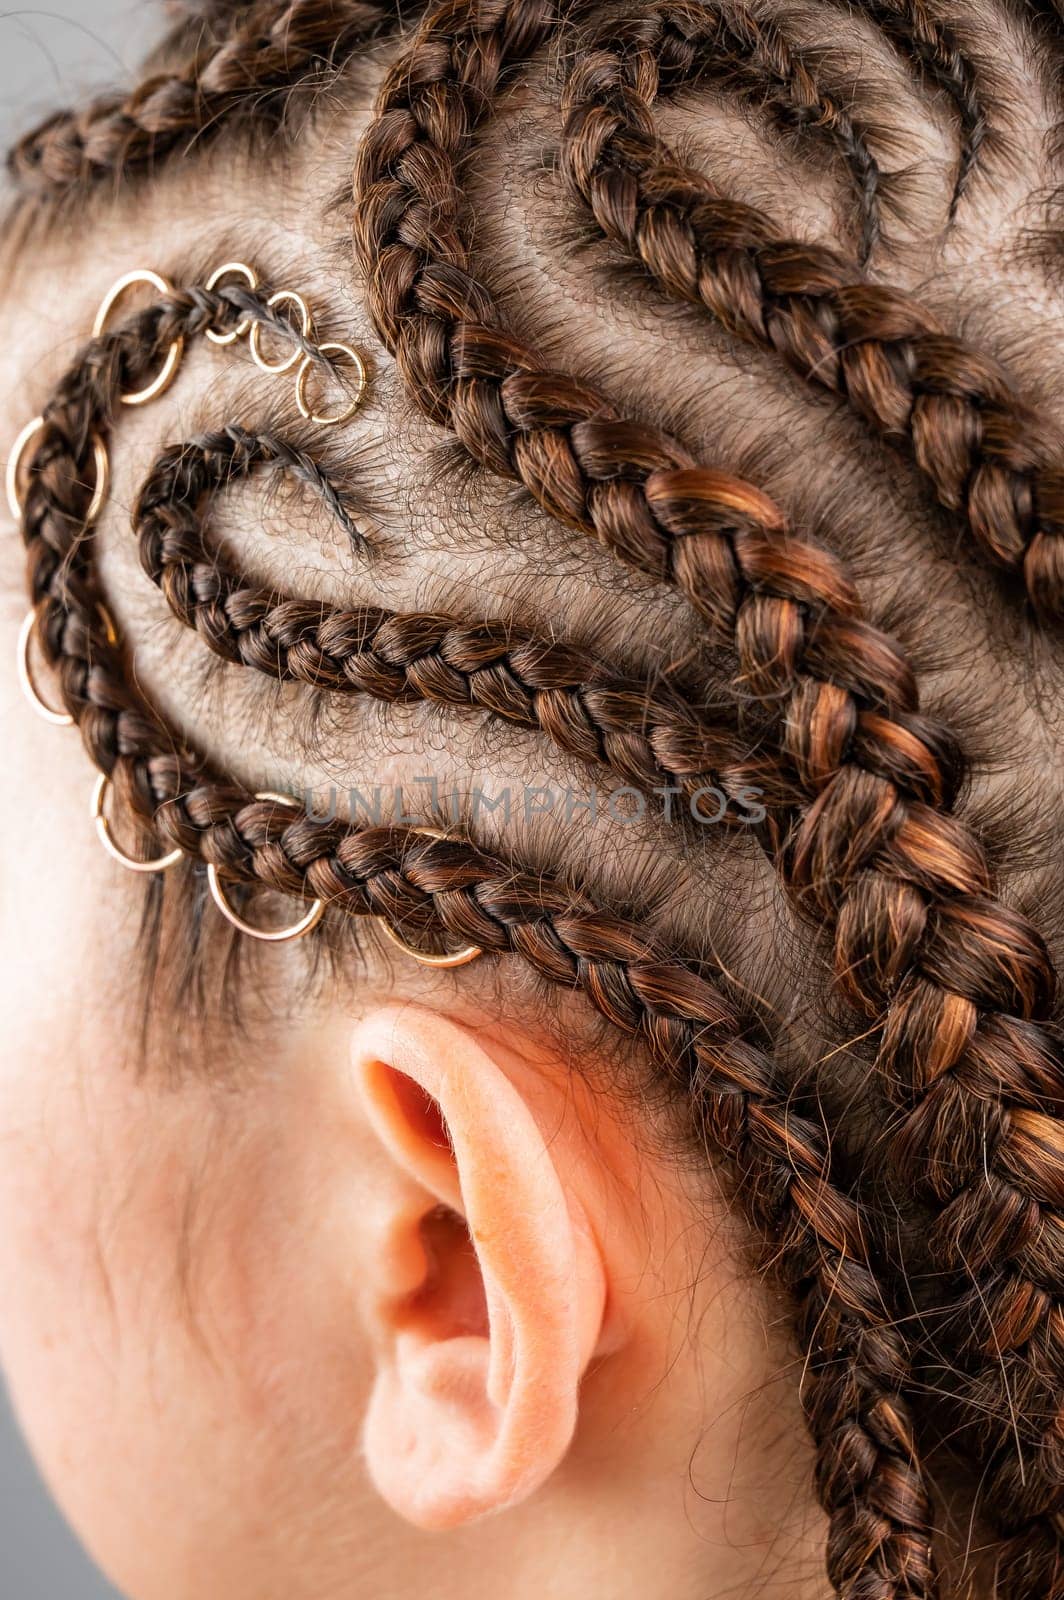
<point x="50" y="55"/>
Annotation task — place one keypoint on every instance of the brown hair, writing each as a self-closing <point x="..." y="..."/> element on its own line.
<point x="931" y="1258"/>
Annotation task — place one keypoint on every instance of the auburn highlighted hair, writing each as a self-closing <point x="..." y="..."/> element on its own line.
<point x="837" y="591"/>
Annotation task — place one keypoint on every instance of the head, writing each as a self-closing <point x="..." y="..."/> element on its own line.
<point x="640" y="1173"/>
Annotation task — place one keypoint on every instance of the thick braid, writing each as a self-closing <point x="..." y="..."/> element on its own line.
<point x="565" y="443"/>
<point x="649" y="736"/>
<point x="266" y="48"/>
<point x="933" y="46"/>
<point x="856" y="1361"/>
<point x="954" y="983"/>
<point x="987" y="454"/>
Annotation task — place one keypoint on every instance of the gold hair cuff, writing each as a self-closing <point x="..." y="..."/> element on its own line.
<point x="16" y="462"/>
<point x="103" y="833"/>
<point x="276" y="369"/>
<point x="460" y="958"/>
<point x="264" y="935"/>
<point x="304" y="374"/>
<point x="166" y="377"/>
<point x="232" y="269"/>
<point x="58" y="719"/>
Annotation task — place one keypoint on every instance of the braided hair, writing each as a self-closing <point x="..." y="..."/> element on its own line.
<point x="794" y="687"/>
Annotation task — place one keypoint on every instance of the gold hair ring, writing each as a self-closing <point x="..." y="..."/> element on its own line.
<point x="13" y="475"/>
<point x="232" y="269"/>
<point x="99" y="795"/>
<point x="265" y="936"/>
<point x="276" y="368"/>
<point x="304" y="374"/>
<point x="460" y="958"/>
<point x="58" y="719"/>
<point x="177" y="349"/>
<point x="16" y="461"/>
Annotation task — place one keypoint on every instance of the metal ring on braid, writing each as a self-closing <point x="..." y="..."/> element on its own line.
<point x="593" y="470"/>
<point x="952" y="982"/>
<point x="113" y="364"/>
<point x="986" y="452"/>
<point x="648" y="735"/>
<point x="812" y="1232"/>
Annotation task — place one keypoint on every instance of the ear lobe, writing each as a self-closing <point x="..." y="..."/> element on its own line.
<point x="479" y="1364"/>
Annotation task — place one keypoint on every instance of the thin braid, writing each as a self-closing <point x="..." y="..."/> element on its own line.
<point x="753" y="55"/>
<point x="649" y="736"/>
<point x="266" y="48"/>
<point x="954" y="982"/>
<point x="856" y="1360"/>
<point x="986" y="452"/>
<point x="932" y="45"/>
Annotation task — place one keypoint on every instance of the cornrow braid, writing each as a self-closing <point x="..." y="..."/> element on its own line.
<point x="988" y="454"/>
<point x="932" y="46"/>
<point x="593" y="471"/>
<point x="266" y="49"/>
<point x="754" y="56"/>
<point x="953" y="984"/>
<point x="87" y="401"/>
<point x="649" y="736"/>
<point x="856" y="1361"/>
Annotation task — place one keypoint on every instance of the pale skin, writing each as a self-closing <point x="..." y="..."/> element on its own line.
<point x="252" y="1344"/>
<point x="270" y="1334"/>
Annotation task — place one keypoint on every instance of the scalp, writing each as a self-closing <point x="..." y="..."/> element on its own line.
<point x="772" y="323"/>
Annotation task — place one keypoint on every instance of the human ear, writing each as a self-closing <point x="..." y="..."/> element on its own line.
<point x="490" y="1290"/>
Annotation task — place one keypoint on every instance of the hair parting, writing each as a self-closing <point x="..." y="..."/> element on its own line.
<point x="728" y="44"/>
<point x="985" y="451"/>
<point x="856" y="1361"/>
<point x="876" y="853"/>
<point x="934" y="49"/>
<point x="953" y="991"/>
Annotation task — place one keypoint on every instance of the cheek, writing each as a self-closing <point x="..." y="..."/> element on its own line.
<point x="86" y="1235"/>
<point x="56" y="902"/>
<point x="188" y="1379"/>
